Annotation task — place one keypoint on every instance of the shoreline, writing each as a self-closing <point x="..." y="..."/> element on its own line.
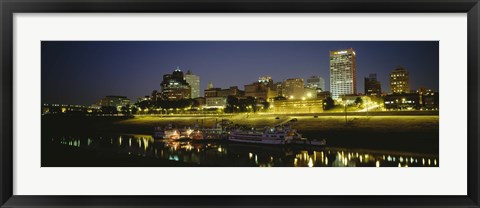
<point x="407" y="133"/>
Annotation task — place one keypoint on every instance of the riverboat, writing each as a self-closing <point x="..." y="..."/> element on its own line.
<point x="274" y="135"/>
<point x="166" y="133"/>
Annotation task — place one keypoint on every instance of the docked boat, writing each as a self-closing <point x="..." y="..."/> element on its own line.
<point x="185" y="132"/>
<point x="166" y="133"/>
<point x="216" y="132"/>
<point x="196" y="135"/>
<point x="275" y="135"/>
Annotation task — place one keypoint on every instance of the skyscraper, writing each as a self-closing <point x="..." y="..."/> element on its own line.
<point x="174" y="86"/>
<point x="194" y="82"/>
<point x="399" y="81"/>
<point x="372" y="85"/>
<point x="343" y="73"/>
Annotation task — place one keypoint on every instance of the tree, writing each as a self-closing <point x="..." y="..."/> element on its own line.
<point x="125" y="110"/>
<point x="328" y="103"/>
<point x="266" y="105"/>
<point x="232" y="104"/>
<point x="109" y="110"/>
<point x="358" y="101"/>
<point x="144" y="104"/>
<point x="134" y="109"/>
<point x="251" y="101"/>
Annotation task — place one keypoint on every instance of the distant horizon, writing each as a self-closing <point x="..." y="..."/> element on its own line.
<point x="82" y="72"/>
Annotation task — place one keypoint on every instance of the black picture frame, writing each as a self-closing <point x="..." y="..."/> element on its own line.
<point x="9" y="7"/>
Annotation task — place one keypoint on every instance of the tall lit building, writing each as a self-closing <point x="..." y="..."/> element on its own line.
<point x="372" y="86"/>
<point x="174" y="86"/>
<point x="294" y="88"/>
<point x="194" y="82"/>
<point x="399" y="81"/>
<point x="343" y="73"/>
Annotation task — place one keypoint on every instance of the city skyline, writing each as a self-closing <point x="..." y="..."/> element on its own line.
<point x="82" y="72"/>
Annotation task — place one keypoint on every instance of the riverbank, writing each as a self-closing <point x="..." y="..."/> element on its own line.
<point x="386" y="132"/>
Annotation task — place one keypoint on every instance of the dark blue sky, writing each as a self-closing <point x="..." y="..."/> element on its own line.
<point x="81" y="72"/>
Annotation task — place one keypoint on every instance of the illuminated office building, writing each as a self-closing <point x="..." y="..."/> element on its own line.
<point x="399" y="81"/>
<point x="174" y="86"/>
<point x="194" y="82"/>
<point x="343" y="73"/>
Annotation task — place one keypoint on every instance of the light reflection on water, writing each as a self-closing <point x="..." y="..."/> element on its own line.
<point x="229" y="154"/>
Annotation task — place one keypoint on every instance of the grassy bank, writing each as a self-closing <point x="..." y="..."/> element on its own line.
<point x="303" y="123"/>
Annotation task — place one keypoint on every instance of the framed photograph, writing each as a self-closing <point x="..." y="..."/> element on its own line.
<point x="245" y="104"/>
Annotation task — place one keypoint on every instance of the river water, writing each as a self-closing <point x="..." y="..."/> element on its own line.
<point x="229" y="154"/>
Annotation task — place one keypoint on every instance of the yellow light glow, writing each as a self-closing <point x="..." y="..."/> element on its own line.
<point x="310" y="162"/>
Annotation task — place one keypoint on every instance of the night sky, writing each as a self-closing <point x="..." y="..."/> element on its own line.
<point x="82" y="72"/>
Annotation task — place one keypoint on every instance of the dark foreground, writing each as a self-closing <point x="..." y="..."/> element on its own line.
<point x="145" y="151"/>
<point x="125" y="142"/>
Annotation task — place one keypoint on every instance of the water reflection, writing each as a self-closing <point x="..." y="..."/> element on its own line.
<point x="227" y="154"/>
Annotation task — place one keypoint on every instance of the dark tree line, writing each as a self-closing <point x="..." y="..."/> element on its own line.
<point x="235" y="105"/>
<point x="167" y="104"/>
